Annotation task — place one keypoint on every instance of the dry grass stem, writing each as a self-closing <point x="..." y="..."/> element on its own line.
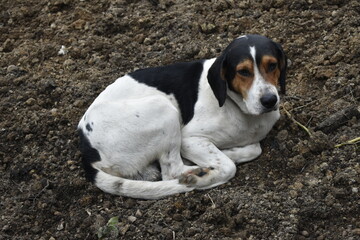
<point x="297" y="122"/>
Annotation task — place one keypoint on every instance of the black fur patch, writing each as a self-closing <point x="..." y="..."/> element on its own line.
<point x="88" y="127"/>
<point x="89" y="155"/>
<point x="180" y="79"/>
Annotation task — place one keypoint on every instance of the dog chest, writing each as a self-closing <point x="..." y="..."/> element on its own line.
<point x="231" y="129"/>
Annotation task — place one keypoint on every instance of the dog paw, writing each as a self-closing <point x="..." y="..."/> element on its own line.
<point x="192" y="177"/>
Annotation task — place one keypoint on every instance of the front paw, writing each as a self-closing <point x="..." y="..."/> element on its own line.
<point x="193" y="177"/>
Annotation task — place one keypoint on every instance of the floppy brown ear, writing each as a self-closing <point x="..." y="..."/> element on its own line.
<point x="283" y="68"/>
<point x="216" y="79"/>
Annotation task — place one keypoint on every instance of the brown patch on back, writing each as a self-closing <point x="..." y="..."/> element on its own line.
<point x="241" y="83"/>
<point x="271" y="76"/>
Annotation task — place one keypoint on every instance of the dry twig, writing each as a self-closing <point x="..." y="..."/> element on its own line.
<point x="350" y="142"/>
<point x="296" y="122"/>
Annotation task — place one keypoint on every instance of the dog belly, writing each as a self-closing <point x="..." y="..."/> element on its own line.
<point x="131" y="134"/>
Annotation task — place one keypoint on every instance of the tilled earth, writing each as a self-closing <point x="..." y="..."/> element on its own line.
<point x="302" y="186"/>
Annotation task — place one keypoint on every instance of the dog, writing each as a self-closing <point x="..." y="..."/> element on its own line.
<point x="139" y="135"/>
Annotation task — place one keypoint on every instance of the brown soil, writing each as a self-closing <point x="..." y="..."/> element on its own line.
<point x="301" y="187"/>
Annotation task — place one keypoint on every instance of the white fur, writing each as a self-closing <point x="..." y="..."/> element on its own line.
<point x="134" y="124"/>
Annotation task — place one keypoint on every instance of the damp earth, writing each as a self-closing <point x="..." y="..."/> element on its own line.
<point x="57" y="56"/>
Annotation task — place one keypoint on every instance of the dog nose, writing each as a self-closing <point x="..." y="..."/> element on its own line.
<point x="269" y="100"/>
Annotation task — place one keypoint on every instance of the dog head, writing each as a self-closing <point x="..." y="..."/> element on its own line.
<point x="248" y="71"/>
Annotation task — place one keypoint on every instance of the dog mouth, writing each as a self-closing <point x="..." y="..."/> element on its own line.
<point x="267" y="110"/>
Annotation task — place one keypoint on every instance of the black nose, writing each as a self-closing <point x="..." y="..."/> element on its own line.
<point x="268" y="100"/>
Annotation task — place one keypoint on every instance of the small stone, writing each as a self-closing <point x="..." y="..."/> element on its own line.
<point x="124" y="229"/>
<point x="36" y="229"/>
<point x="79" y="24"/>
<point x="337" y="57"/>
<point x="57" y="213"/>
<point x="30" y="101"/>
<point x="164" y="40"/>
<point x="5" y="228"/>
<point x="178" y="217"/>
<point x="207" y="27"/>
<point x="54" y="112"/>
<point x="298" y="185"/>
<point x="12" y="68"/>
<point x="293" y="193"/>
<point x="312" y="181"/>
<point x="68" y="62"/>
<point x="63" y="51"/>
<point x="70" y="162"/>
<point x="147" y="41"/>
<point x="132" y="218"/>
<point x="138" y="213"/>
<point x="321" y="237"/>
<point x="356" y="231"/>
<point x="60" y="226"/>
<point x="324" y="166"/>
<point x="305" y="233"/>
<point x="79" y="103"/>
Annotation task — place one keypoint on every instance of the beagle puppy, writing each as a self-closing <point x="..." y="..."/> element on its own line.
<point x="140" y="133"/>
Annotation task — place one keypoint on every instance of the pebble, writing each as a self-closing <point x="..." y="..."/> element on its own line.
<point x="207" y="27"/>
<point x="54" y="112"/>
<point x="324" y="166"/>
<point x="12" y="68"/>
<point x="132" y="218"/>
<point x="356" y="231"/>
<point x="68" y="62"/>
<point x="305" y="233"/>
<point x="60" y="226"/>
<point x="124" y="229"/>
<point x="138" y="213"/>
<point x="30" y="101"/>
<point x="63" y="51"/>
<point x="298" y="185"/>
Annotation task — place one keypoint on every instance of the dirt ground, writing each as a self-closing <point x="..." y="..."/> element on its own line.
<point x="302" y="187"/>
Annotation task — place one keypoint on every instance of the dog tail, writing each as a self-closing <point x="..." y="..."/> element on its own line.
<point x="122" y="186"/>
<point x="138" y="189"/>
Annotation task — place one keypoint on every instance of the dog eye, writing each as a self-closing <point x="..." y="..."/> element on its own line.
<point x="272" y="67"/>
<point x="245" y="73"/>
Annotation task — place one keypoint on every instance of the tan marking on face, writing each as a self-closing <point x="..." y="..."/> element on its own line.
<point x="241" y="83"/>
<point x="270" y="75"/>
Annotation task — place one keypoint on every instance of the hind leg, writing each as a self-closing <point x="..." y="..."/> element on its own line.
<point x="171" y="163"/>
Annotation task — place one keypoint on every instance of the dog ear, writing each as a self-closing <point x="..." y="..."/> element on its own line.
<point x="283" y="68"/>
<point x="217" y="80"/>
